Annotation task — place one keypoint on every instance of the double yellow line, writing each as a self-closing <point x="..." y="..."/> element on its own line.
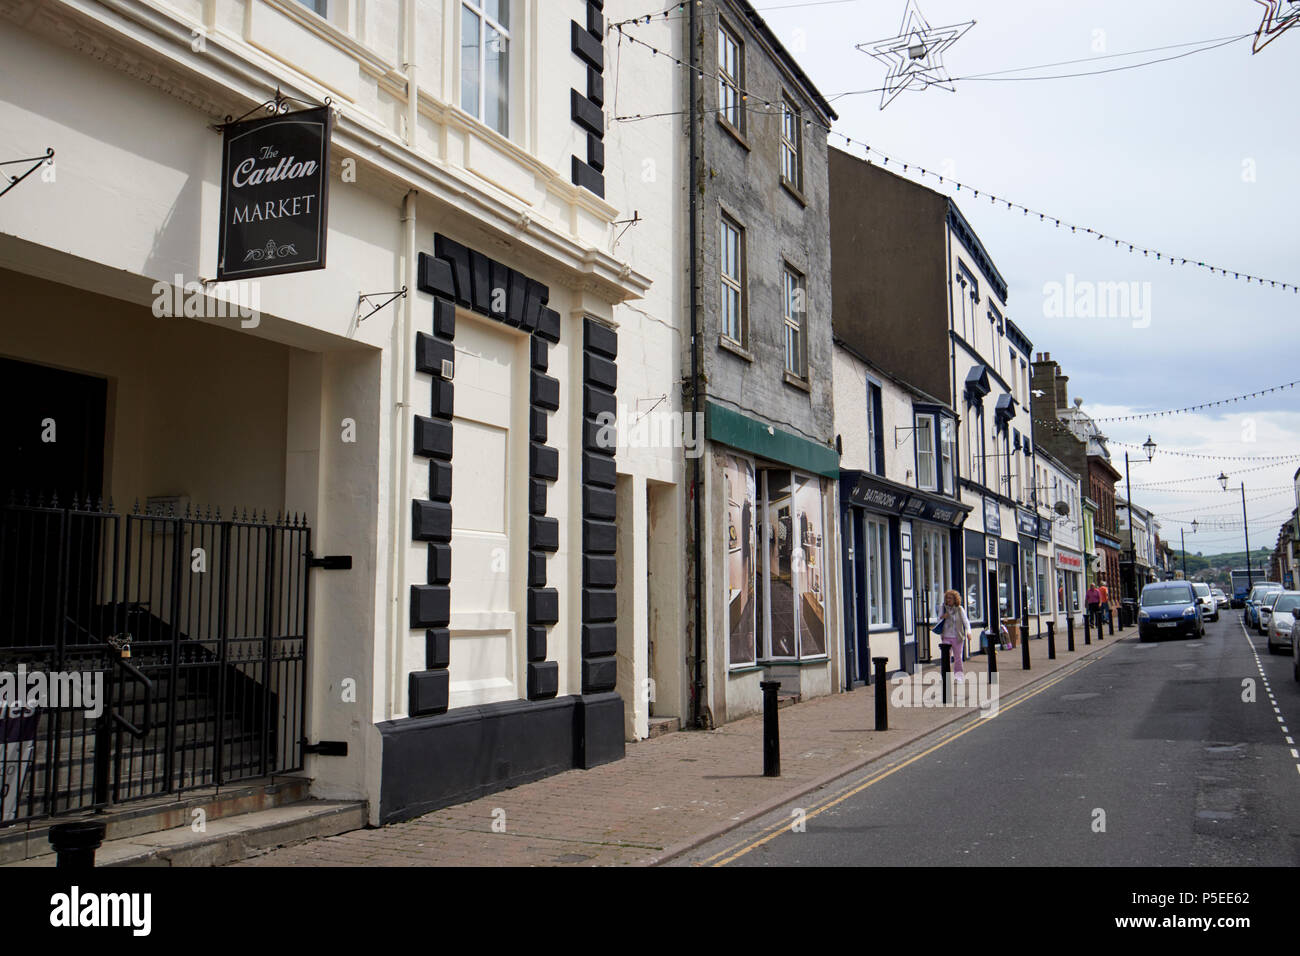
<point x="736" y="851"/>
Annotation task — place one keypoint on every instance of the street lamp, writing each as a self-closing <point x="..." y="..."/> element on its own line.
<point x="1183" y="538"/>
<point x="1245" y="525"/>
<point x="1150" y="448"/>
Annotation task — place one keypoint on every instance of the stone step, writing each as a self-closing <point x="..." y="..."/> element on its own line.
<point x="141" y="820"/>
<point x="229" y="839"/>
<point x="659" y="726"/>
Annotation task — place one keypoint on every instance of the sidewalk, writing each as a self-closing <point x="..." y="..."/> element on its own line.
<point x="670" y="793"/>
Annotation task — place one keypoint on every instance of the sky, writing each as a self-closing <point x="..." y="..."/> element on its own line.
<point x="1196" y="157"/>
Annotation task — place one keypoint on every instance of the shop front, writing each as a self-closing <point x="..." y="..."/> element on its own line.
<point x="1069" y="584"/>
<point x="1027" y="527"/>
<point x="775" y="510"/>
<point x="901" y="553"/>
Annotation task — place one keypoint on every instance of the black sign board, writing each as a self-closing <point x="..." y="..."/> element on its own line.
<point x="878" y="496"/>
<point x="274" y="195"/>
<point x="1028" y="523"/>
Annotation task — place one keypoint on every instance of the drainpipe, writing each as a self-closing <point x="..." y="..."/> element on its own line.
<point x="697" y="552"/>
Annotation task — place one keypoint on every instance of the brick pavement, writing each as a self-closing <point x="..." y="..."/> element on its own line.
<point x="668" y="794"/>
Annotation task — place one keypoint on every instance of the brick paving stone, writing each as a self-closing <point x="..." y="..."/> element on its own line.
<point x="668" y="791"/>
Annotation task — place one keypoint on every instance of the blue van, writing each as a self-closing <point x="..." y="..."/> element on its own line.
<point x="1169" y="609"/>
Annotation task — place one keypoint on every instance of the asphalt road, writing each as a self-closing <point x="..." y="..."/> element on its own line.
<point x="1153" y="741"/>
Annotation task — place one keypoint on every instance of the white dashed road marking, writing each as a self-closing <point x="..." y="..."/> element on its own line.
<point x="1271" y="699"/>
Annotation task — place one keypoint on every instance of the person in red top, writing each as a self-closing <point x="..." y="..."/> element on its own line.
<point x="1105" y="601"/>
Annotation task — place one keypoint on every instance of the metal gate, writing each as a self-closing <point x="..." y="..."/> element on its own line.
<point x="171" y="648"/>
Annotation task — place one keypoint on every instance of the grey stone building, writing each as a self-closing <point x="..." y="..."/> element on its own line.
<point x="762" y="600"/>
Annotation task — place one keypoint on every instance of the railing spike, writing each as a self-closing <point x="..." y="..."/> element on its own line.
<point x="135" y="509"/>
<point x="54" y="498"/>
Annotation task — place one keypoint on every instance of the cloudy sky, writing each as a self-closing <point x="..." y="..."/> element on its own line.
<point x="1195" y="157"/>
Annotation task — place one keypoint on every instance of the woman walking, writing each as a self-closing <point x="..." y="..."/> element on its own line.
<point x="956" y="628"/>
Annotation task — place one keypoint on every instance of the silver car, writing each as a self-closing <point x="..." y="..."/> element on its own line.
<point x="1205" y="601"/>
<point x="1282" y="620"/>
<point x="1219" y="597"/>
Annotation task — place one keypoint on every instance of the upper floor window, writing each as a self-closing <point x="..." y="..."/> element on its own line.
<point x="732" y="272"/>
<point x="925" y="477"/>
<point x="795" y="317"/>
<point x="319" y="7"/>
<point x="947" y="454"/>
<point x="791" y="144"/>
<point x="875" y="431"/>
<point x="485" y="62"/>
<point x="731" y="78"/>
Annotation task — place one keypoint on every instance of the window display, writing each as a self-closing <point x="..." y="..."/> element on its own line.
<point x="741" y="579"/>
<point x="974" y="589"/>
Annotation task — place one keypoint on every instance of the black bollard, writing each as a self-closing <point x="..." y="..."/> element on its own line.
<point x="1051" y="640"/>
<point x="1024" y="652"/>
<point x="1069" y="639"/>
<point x="75" y="844"/>
<point x="993" y="655"/>
<point x="945" y="665"/>
<point x="1110" y="619"/>
<point x="1087" y="629"/>
<point x="771" y="731"/>
<point x="882" y="693"/>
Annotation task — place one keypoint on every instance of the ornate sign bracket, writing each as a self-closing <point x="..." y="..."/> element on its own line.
<point x="36" y="161"/>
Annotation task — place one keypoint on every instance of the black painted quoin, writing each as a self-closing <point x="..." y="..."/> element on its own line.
<point x="437" y="757"/>
<point x="587" y="112"/>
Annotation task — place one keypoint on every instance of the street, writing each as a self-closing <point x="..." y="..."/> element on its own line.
<point x="1145" y="755"/>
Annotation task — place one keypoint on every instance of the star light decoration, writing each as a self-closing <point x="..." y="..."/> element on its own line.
<point x="915" y="56"/>
<point x="1279" y="16"/>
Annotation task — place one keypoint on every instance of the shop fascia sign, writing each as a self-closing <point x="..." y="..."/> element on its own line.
<point x="274" y="194"/>
<point x="992" y="517"/>
<point x="1071" y="562"/>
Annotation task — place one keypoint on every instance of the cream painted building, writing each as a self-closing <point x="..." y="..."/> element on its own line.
<point x="497" y="596"/>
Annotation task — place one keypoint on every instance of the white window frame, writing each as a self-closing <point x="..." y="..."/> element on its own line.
<point x="924" y="442"/>
<point x="478" y="9"/>
<point x="794" y="290"/>
<point x="948" y="454"/>
<point x="880" y="605"/>
<point x="791" y="143"/>
<point x="732" y="285"/>
<point x="731" y="79"/>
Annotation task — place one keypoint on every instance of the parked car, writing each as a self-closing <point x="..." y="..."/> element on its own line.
<point x="1205" y="598"/>
<point x="1220" y="598"/>
<point x="1169" y="609"/>
<point x="1295" y="646"/>
<point x="1282" y="620"/>
<point x="1252" y="602"/>
<point x="1264" y="611"/>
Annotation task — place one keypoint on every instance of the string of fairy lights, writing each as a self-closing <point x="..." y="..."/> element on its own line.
<point x="1142" y="416"/>
<point x="1011" y="205"/>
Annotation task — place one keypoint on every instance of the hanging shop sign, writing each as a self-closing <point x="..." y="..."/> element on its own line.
<point x="992" y="517"/>
<point x="274" y="195"/>
<point x="1027" y="522"/>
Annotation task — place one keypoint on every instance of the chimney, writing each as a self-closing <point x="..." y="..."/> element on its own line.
<point x="1062" y="393"/>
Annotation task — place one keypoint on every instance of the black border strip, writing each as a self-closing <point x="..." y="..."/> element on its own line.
<point x="586" y="111"/>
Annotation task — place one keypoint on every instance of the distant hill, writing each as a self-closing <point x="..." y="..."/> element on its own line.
<point x="1215" y="567"/>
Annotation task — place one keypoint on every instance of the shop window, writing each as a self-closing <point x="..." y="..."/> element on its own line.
<point x="1044" y="587"/>
<point x="795" y="557"/>
<point x="879" y="604"/>
<point x="742" y="579"/>
<point x="1006" y="590"/>
<point x="932" y="568"/>
<point x="1031" y="591"/>
<point x="975" y="589"/>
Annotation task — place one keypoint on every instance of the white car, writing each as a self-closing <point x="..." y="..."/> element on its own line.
<point x="1281" y="622"/>
<point x="1266" y="610"/>
<point x="1220" y="598"/>
<point x="1205" y="601"/>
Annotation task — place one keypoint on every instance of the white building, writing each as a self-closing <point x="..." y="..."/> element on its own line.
<point x="899" y="515"/>
<point x="495" y="616"/>
<point x="1061" y="579"/>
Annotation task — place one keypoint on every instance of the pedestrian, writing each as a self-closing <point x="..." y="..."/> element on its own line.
<point x="1093" y="599"/>
<point x="956" y="629"/>
<point x="1105" y="600"/>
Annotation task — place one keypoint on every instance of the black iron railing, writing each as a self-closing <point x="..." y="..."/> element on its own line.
<point x="193" y="628"/>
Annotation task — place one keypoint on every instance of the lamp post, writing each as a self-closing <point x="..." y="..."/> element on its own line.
<point x="1150" y="448"/>
<point x="1245" y="525"/>
<point x="1182" y="537"/>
